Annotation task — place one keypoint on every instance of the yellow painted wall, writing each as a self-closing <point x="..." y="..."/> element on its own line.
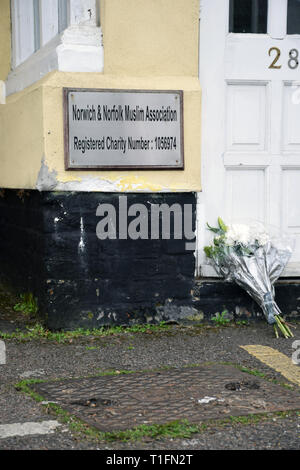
<point x="21" y="139"/>
<point x="5" y="42"/>
<point x="147" y="45"/>
<point x="150" y="37"/>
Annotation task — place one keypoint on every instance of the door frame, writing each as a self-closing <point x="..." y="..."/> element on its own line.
<point x="213" y="31"/>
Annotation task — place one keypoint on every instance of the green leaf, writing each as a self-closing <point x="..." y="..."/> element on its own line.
<point x="222" y="225"/>
<point x="212" y="229"/>
<point x="208" y="251"/>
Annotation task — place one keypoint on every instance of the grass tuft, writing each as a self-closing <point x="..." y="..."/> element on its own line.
<point x="38" y="332"/>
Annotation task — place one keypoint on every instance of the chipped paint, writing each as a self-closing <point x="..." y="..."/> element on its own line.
<point x="100" y="316"/>
<point x="120" y="184"/>
<point x="81" y="244"/>
<point x="46" y="180"/>
<point x="135" y="183"/>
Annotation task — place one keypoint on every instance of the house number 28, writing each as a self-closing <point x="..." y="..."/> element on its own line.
<point x="292" y="62"/>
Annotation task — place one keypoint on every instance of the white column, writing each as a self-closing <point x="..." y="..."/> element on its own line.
<point x="277" y="18"/>
<point x="76" y="49"/>
<point x="81" y="45"/>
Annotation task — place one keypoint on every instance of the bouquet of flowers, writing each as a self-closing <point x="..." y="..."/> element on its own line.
<point x="247" y="255"/>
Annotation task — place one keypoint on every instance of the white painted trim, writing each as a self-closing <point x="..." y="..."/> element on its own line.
<point x="277" y="18"/>
<point x="77" y="49"/>
<point x="48" y="20"/>
<point x="218" y="28"/>
<point x="23" y="27"/>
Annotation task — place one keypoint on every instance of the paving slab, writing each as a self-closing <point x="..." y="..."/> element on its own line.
<point x="124" y="401"/>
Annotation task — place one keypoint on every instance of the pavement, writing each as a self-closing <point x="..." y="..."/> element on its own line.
<point x="197" y="362"/>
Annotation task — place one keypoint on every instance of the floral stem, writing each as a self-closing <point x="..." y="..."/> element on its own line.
<point x="283" y="327"/>
<point x="286" y="326"/>
<point x="286" y="323"/>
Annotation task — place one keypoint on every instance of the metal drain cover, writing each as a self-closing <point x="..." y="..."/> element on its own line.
<point x="199" y="393"/>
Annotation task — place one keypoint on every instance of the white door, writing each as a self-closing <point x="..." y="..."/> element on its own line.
<point x="250" y="77"/>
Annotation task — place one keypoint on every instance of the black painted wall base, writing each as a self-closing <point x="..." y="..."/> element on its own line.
<point x="214" y="295"/>
<point x="48" y="246"/>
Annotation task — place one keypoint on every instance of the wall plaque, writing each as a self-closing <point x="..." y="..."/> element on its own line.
<point x="123" y="129"/>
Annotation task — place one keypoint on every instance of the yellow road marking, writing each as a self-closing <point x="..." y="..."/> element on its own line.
<point x="275" y="359"/>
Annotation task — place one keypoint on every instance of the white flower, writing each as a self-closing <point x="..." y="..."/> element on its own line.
<point x="262" y="238"/>
<point x="238" y="233"/>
